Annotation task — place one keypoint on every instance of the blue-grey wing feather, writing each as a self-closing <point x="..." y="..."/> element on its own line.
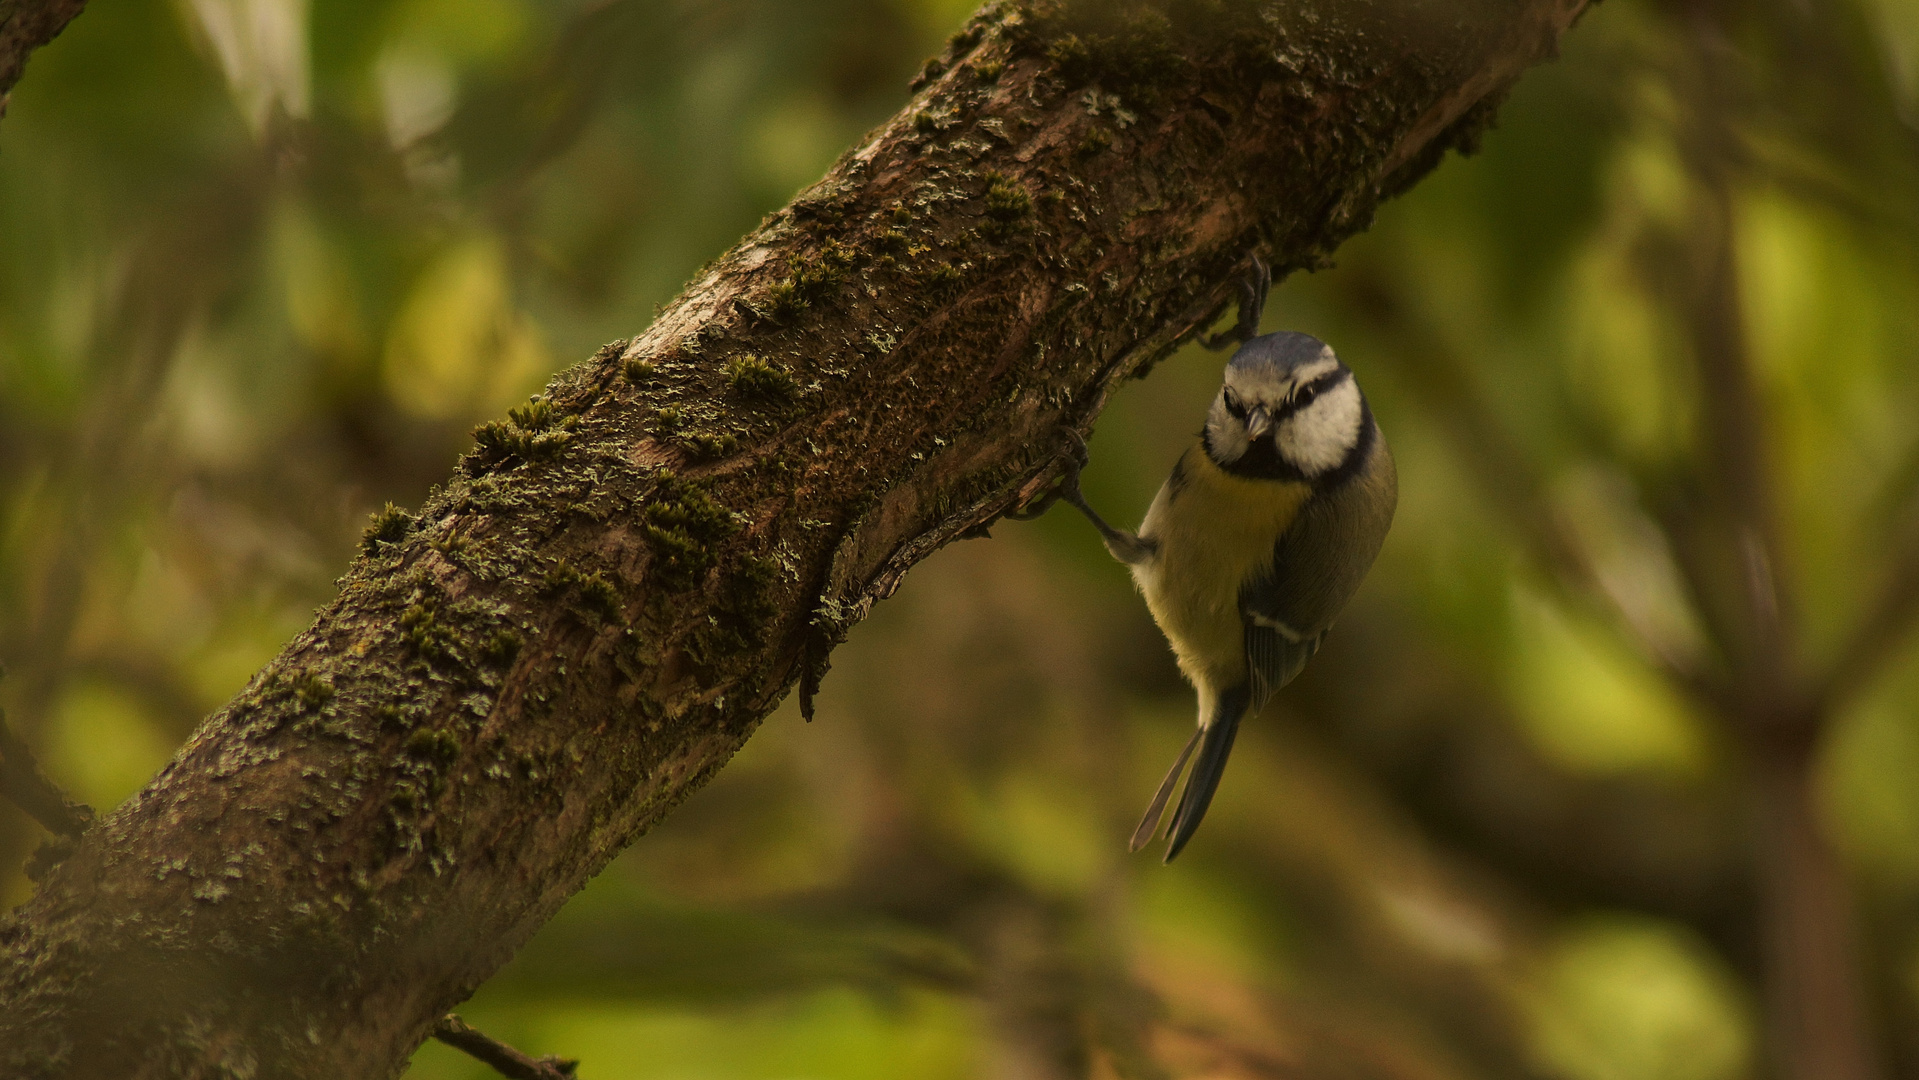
<point x="1318" y="562"/>
<point x="1272" y="661"/>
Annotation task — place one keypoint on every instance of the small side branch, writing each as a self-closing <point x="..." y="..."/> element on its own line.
<point x="504" y="1059"/>
<point x="22" y="781"/>
<point x="1875" y="642"/>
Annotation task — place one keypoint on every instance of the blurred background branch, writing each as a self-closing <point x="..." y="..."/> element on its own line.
<point x="24" y="783"/>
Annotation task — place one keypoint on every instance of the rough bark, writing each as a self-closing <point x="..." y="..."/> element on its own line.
<point x="622" y="580"/>
<point x="25" y="25"/>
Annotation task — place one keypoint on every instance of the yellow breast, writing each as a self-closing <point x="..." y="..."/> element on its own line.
<point x="1214" y="530"/>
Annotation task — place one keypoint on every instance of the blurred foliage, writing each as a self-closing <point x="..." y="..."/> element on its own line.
<point x="263" y="263"/>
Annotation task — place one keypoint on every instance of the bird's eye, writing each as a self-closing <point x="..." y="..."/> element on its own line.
<point x="1233" y="404"/>
<point x="1303" y="394"/>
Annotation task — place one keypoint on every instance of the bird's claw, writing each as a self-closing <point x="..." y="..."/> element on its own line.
<point x="1076" y="457"/>
<point x="1253" y="287"/>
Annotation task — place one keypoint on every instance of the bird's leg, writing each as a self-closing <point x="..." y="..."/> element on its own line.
<point x="1126" y="547"/>
<point x="1129" y="548"/>
<point x="1252" y="303"/>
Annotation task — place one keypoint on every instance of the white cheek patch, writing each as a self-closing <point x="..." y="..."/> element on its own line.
<point x="1317" y="438"/>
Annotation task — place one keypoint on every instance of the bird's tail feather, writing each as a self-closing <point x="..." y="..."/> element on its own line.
<point x="1215" y="744"/>
<point x="1155" y="810"/>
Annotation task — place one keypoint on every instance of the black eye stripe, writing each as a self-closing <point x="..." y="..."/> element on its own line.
<point x="1304" y="396"/>
<point x="1325" y="382"/>
<point x="1298" y="399"/>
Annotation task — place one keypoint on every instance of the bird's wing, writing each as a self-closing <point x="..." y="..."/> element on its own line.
<point x="1283" y="607"/>
<point x="1274" y="654"/>
<point x="1317" y="564"/>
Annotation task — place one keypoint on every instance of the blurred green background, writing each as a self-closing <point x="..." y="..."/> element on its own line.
<point x="264" y="263"/>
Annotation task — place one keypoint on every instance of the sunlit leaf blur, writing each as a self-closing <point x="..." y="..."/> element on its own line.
<point x="265" y="263"/>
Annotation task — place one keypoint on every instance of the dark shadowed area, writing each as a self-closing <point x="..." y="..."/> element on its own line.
<point x="1611" y="772"/>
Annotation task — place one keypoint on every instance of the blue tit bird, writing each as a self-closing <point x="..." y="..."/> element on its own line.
<point x="1255" y="542"/>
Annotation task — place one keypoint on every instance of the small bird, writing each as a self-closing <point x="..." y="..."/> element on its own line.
<point x="1255" y="542"/>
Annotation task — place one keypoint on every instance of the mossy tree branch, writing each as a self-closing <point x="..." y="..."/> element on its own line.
<point x="623" y="578"/>
<point x="25" y="25"/>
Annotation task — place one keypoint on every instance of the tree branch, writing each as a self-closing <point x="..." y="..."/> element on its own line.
<point x="25" y="25"/>
<point x="22" y="782"/>
<point x="1875" y="641"/>
<point x="622" y="581"/>
<point x="497" y="1055"/>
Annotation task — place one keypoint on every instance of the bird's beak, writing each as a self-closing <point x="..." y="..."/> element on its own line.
<point x="1258" y="423"/>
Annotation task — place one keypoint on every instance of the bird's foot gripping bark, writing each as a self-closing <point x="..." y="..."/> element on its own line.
<point x="1253" y="287"/>
<point x="1068" y="486"/>
<point x="1127" y="547"/>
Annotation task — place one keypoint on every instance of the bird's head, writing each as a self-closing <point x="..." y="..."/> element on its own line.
<point x="1287" y="408"/>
